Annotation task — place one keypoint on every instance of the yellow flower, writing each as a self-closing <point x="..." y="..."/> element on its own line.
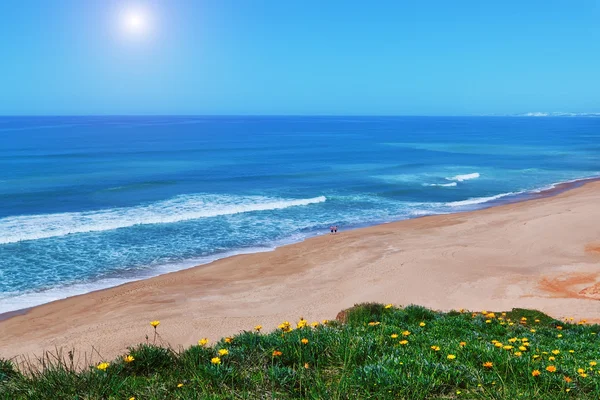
<point x="132" y="398"/>
<point x="404" y="342"/>
<point x="535" y="372"/>
<point x="155" y="324"/>
<point x="580" y="370"/>
<point x="507" y="347"/>
<point x="203" y="342"/>
<point x="488" y="364"/>
<point x="422" y="324"/>
<point x="518" y="354"/>
<point x="257" y="328"/>
<point x="324" y="322"/>
<point x="522" y="348"/>
<point x="451" y="357"/>
<point x="491" y="315"/>
<point x="314" y="324"/>
<point x="306" y="366"/>
<point x="435" y="348"/>
<point x="388" y="306"/>
<point x="180" y="385"/>
<point x="593" y="363"/>
<point x="583" y="375"/>
<point x="536" y="356"/>
<point x="551" y="368"/>
<point x="571" y="351"/>
<point x="488" y="321"/>
<point x="374" y="323"/>
<point x="555" y="352"/>
<point x="559" y="335"/>
<point x="523" y="319"/>
<point x="405" y="333"/>
<point x="215" y="360"/>
<point x="498" y="344"/>
<point x="532" y="331"/>
<point x="304" y="341"/>
<point x="537" y="320"/>
<point x="228" y="340"/>
<point x="128" y="358"/>
<point x="277" y="353"/>
<point x="512" y="340"/>
<point x="302" y="323"/>
<point x="567" y="390"/>
<point x="103" y="366"/>
<point x="284" y="326"/>
<point x="551" y="358"/>
<point x="223" y="352"/>
<point x="462" y="344"/>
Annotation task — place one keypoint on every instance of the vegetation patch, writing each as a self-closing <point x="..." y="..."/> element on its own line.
<point x="372" y="351"/>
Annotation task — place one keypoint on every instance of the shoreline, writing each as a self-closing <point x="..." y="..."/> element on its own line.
<point x="518" y="197"/>
<point x="530" y="253"/>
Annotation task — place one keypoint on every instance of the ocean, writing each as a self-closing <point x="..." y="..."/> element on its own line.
<point x="93" y="202"/>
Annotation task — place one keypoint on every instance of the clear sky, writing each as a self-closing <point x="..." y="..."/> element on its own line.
<point x="416" y="57"/>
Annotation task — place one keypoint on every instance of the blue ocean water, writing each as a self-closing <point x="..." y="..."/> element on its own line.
<point x="92" y="202"/>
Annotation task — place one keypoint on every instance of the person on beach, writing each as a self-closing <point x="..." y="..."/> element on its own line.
<point x="331" y="229"/>
<point x="334" y="229"/>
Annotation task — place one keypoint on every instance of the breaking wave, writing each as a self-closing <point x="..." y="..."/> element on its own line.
<point x="177" y="209"/>
<point x="465" y="177"/>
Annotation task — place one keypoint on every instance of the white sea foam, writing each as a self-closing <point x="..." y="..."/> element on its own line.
<point x="480" y="200"/>
<point x="441" y="184"/>
<point x="178" y="209"/>
<point x="465" y="177"/>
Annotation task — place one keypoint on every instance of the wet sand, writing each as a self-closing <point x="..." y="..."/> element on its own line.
<point x="542" y="253"/>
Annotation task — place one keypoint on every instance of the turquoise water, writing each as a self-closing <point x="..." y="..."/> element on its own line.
<point x="92" y="202"/>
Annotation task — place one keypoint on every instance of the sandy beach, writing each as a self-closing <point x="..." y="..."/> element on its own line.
<point x="542" y="253"/>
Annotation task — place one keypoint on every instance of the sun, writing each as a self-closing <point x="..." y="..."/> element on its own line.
<point x="135" y="22"/>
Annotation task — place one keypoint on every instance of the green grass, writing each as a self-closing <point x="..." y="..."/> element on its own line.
<point x="354" y="359"/>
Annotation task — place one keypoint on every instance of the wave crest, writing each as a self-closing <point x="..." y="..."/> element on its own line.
<point x="465" y="177"/>
<point x="178" y="209"/>
<point x="451" y="184"/>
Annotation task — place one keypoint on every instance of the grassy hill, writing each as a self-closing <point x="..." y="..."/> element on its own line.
<point x="369" y="352"/>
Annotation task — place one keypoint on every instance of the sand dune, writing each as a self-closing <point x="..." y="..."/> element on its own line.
<point x="543" y="254"/>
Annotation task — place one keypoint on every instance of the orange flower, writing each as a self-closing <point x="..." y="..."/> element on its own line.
<point x="568" y="380"/>
<point x="535" y="372"/>
<point x="277" y="353"/>
<point x="304" y="341"/>
<point x="551" y="368"/>
<point x="488" y="364"/>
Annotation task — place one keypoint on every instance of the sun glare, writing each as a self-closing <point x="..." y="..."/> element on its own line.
<point x="135" y="22"/>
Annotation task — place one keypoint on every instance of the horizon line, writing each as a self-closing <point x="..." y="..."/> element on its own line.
<point x="526" y="115"/>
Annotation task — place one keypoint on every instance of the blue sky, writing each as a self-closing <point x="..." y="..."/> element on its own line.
<point x="71" y="57"/>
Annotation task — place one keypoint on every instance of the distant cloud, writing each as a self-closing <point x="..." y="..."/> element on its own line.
<point x="536" y="114"/>
<point x="558" y="114"/>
